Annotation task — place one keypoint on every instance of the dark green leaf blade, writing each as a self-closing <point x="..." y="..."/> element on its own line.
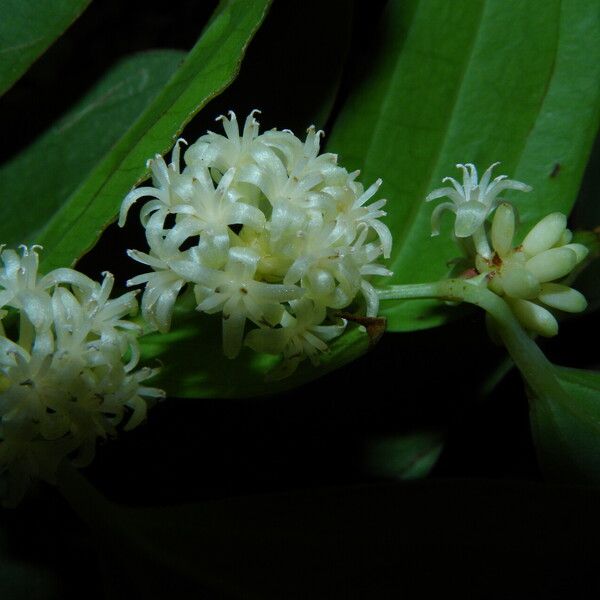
<point x="66" y="154"/>
<point x="210" y="66"/>
<point x="404" y="456"/>
<point x="568" y="437"/>
<point x="27" y="28"/>
<point x="373" y="541"/>
<point x="471" y="82"/>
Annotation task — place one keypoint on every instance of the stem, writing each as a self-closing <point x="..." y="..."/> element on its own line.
<point x="499" y="373"/>
<point x="415" y="290"/>
<point x="537" y="370"/>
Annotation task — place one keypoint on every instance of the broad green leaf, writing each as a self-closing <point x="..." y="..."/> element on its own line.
<point x="27" y="28"/>
<point x="568" y="437"/>
<point x="373" y="541"/>
<point x="48" y="172"/>
<point x="209" y="67"/>
<point x="470" y="81"/>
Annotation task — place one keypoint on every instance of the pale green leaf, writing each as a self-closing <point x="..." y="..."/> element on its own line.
<point x="36" y="183"/>
<point x="470" y="81"/>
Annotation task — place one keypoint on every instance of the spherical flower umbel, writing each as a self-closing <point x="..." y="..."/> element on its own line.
<point x="269" y="233"/>
<point x="68" y="374"/>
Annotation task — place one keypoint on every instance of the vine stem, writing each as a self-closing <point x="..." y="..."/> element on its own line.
<point x="537" y="370"/>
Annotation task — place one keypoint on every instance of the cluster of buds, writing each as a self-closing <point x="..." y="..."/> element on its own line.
<point x="68" y="374"/>
<point x="529" y="276"/>
<point x="270" y="234"/>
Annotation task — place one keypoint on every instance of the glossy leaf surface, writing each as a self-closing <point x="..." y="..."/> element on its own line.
<point x="38" y="182"/>
<point x="470" y="82"/>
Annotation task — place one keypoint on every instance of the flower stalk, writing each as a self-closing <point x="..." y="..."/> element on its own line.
<point x="537" y="370"/>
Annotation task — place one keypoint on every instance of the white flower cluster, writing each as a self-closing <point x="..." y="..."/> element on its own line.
<point x="267" y="231"/>
<point x="525" y="275"/>
<point x="67" y="368"/>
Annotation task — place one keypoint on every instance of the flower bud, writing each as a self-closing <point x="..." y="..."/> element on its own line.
<point x="562" y="297"/>
<point x="552" y="264"/>
<point x="503" y="229"/>
<point x="534" y="317"/>
<point x="545" y="234"/>
<point x="520" y="283"/>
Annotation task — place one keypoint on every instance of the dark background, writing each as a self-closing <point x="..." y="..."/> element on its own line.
<point x="317" y="436"/>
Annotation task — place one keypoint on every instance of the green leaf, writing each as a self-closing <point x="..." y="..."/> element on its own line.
<point x="568" y="437"/>
<point x="375" y="541"/>
<point x="27" y="28"/>
<point x="474" y="82"/>
<point x="209" y="67"/>
<point x="67" y="153"/>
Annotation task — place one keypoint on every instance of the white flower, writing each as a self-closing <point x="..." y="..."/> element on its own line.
<point x="526" y="275"/>
<point x="223" y="152"/>
<point x="70" y="376"/>
<point x="19" y="284"/>
<point x="269" y="174"/>
<point x="472" y="201"/>
<point x="103" y="316"/>
<point x="162" y="283"/>
<point x="211" y="212"/>
<point x="234" y="292"/>
<point x="351" y="211"/>
<point x="300" y="335"/>
<point x="170" y="187"/>
<point x="265" y="221"/>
